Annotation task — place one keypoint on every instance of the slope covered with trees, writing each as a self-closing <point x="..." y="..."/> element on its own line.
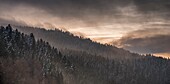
<point x="66" y="40"/>
<point x="26" y="60"/>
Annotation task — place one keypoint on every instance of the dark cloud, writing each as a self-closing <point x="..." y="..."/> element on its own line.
<point x="93" y="12"/>
<point x="83" y="7"/>
<point x="77" y="8"/>
<point x="146" y="41"/>
<point x="156" y="44"/>
<point x="154" y="7"/>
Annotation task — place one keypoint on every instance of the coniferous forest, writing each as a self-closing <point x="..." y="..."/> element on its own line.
<point x="39" y="56"/>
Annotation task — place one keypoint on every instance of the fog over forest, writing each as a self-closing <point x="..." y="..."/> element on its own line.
<point x="84" y="42"/>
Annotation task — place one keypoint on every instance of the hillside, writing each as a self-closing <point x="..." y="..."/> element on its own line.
<point x="66" y="40"/>
<point x="26" y="60"/>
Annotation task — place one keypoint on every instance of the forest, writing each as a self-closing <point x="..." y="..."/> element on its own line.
<point x="38" y="56"/>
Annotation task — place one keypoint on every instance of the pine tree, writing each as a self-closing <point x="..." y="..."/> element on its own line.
<point x="3" y="51"/>
<point x="32" y="38"/>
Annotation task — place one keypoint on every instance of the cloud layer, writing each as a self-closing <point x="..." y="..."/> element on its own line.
<point x="94" y="12"/>
<point x="153" y="41"/>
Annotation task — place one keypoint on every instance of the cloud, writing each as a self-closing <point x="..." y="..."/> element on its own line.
<point x="80" y="8"/>
<point x="13" y="22"/>
<point x="146" y="41"/>
<point x="148" y="6"/>
<point x="73" y="8"/>
<point x="93" y="12"/>
<point x="156" y="44"/>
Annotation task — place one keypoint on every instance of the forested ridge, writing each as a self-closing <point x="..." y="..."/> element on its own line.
<point x="66" y="40"/>
<point x="26" y="59"/>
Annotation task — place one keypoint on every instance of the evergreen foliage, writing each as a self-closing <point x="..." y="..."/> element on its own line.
<point x="25" y="60"/>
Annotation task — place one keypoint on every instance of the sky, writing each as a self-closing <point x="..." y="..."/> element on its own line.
<point x="141" y="26"/>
